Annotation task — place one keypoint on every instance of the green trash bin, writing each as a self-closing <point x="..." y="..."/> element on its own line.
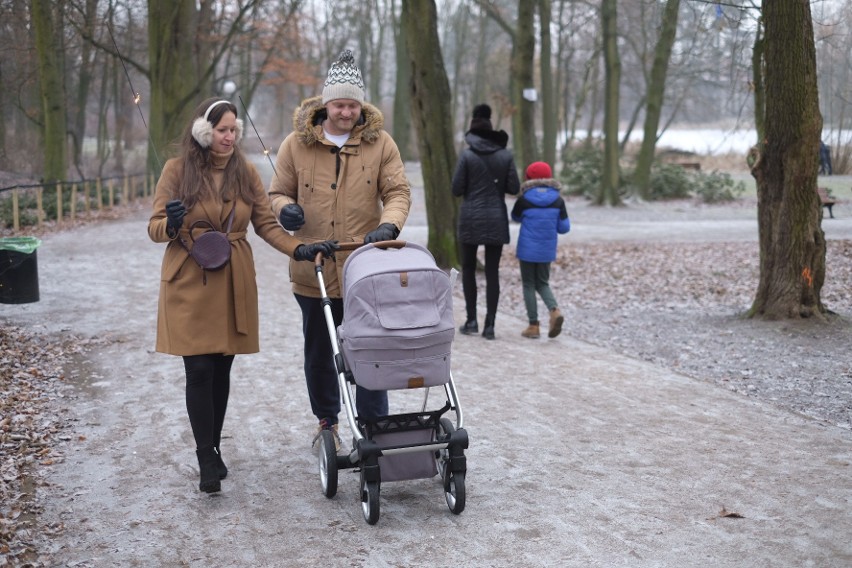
<point x="18" y="270"/>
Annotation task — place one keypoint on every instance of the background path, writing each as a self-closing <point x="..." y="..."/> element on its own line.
<point x="578" y="457"/>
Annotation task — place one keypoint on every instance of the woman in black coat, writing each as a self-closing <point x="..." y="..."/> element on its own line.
<point x="484" y="175"/>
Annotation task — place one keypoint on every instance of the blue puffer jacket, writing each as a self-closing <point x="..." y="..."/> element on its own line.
<point x="541" y="212"/>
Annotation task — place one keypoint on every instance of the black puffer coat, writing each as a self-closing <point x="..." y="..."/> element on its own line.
<point x="484" y="175"/>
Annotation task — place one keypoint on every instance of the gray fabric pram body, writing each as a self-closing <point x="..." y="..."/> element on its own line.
<point x="398" y="324"/>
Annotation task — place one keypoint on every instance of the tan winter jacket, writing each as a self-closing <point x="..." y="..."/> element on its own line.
<point x="345" y="193"/>
<point x="220" y="316"/>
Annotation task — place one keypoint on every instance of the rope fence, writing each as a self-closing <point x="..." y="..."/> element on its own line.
<point x="34" y="204"/>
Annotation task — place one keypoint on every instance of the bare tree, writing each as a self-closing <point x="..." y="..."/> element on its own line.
<point x="655" y="97"/>
<point x="47" y="22"/>
<point x="611" y="174"/>
<point x="430" y="106"/>
<point x="792" y="243"/>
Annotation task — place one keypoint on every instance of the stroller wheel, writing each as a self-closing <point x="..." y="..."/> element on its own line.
<point x="328" y="464"/>
<point x="370" y="500"/>
<point x="442" y="457"/>
<point x="453" y="481"/>
<point x="454" y="491"/>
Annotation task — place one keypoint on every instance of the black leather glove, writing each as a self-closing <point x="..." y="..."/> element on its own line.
<point x="175" y="212"/>
<point x="292" y="217"/>
<point x="384" y="232"/>
<point x="310" y="251"/>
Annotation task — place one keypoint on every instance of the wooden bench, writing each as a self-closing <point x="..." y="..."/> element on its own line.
<point x="826" y="200"/>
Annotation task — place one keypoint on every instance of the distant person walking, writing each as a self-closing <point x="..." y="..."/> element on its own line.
<point x="824" y="159"/>
<point x="541" y="212"/>
<point x="484" y="175"/>
<point x="207" y="316"/>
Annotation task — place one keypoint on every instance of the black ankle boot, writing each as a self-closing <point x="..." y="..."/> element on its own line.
<point x="209" y="470"/>
<point x="488" y="327"/>
<point x="470" y="327"/>
<point x="220" y="465"/>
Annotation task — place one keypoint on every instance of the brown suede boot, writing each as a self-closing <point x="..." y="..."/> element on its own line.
<point x="532" y="331"/>
<point x="556" y="321"/>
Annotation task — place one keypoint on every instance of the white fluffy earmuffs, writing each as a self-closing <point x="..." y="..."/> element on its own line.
<point x="202" y="128"/>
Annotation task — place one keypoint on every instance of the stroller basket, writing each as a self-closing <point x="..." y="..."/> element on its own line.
<point x="399" y="323"/>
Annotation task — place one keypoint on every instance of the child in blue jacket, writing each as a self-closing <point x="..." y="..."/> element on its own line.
<point x="541" y="212"/>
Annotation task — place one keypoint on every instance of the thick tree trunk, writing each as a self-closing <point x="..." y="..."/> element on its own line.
<point x="174" y="73"/>
<point x="611" y="176"/>
<point x="656" y="95"/>
<point x="549" y="121"/>
<point x="792" y="243"/>
<point x="52" y="86"/>
<point x="430" y="109"/>
<point x="523" y="55"/>
<point x="401" y="99"/>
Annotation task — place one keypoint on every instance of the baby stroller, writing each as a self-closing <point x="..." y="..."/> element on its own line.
<point x="396" y="333"/>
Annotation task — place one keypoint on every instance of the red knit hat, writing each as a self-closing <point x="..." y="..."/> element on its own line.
<point x="539" y="170"/>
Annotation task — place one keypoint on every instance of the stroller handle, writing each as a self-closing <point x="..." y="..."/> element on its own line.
<point x="352" y="246"/>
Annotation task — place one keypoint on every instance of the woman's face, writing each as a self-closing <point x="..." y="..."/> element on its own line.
<point x="224" y="133"/>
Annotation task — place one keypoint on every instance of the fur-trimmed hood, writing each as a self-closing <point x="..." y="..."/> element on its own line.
<point x="549" y="182"/>
<point x="308" y="117"/>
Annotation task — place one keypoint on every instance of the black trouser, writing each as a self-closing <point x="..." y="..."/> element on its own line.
<point x="492" y="278"/>
<point x="320" y="372"/>
<point x="208" y="383"/>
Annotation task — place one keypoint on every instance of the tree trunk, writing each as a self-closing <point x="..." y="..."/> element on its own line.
<point x="430" y="109"/>
<point x="549" y="120"/>
<point x="611" y="177"/>
<point x="401" y="100"/>
<point x="655" y="96"/>
<point x="173" y="73"/>
<point x="52" y="87"/>
<point x="792" y="243"/>
<point x="757" y="70"/>
<point x="523" y="56"/>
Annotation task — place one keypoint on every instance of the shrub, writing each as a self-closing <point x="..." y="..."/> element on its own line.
<point x="717" y="187"/>
<point x="581" y="170"/>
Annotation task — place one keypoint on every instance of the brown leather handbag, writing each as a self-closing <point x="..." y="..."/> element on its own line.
<point x="211" y="250"/>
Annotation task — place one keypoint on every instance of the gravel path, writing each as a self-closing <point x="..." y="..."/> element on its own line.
<point x="668" y="283"/>
<point x="663" y="283"/>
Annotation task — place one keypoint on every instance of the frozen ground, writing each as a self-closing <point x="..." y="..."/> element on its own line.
<point x="611" y="445"/>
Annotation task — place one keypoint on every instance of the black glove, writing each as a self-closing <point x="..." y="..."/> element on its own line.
<point x="175" y="212"/>
<point x="384" y="232"/>
<point x="292" y="217"/>
<point x="310" y="251"/>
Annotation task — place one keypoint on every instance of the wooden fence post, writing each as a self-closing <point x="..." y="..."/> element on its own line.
<point x="58" y="203"/>
<point x="125" y="191"/>
<point x="99" y="194"/>
<point x="111" y="193"/>
<point x="74" y="201"/>
<point x="40" y="205"/>
<point x="16" y="216"/>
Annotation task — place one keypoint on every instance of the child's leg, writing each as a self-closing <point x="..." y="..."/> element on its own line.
<point x="542" y="284"/>
<point x="528" y="278"/>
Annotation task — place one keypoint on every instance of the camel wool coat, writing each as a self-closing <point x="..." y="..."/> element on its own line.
<point x="221" y="315"/>
<point x="345" y="192"/>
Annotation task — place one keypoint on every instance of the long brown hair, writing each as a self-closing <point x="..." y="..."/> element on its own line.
<point x="197" y="181"/>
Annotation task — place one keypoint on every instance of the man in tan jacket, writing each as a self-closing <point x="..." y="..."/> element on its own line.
<point x="338" y="176"/>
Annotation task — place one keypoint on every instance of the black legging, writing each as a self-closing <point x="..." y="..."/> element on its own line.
<point x="492" y="278"/>
<point x="208" y="383"/>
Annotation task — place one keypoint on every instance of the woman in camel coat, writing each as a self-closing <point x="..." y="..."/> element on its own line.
<point x="205" y="316"/>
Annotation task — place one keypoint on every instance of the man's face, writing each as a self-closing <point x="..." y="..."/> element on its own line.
<point x="342" y="115"/>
